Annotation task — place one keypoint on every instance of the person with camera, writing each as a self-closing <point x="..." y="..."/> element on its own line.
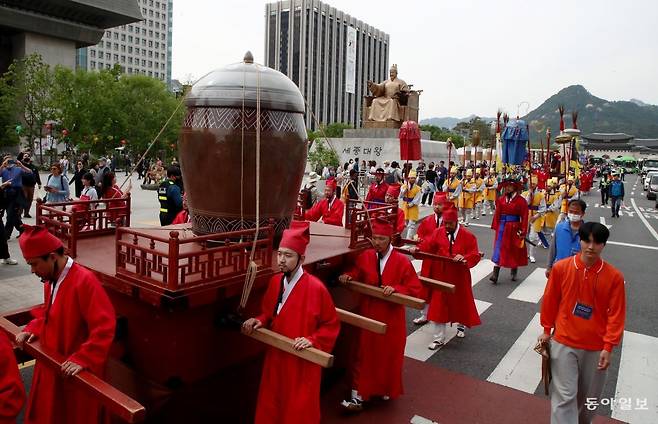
<point x="12" y="172"/>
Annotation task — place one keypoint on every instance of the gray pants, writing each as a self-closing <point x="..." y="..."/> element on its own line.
<point x="575" y="379"/>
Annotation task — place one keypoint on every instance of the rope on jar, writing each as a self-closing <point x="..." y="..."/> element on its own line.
<point x="252" y="267"/>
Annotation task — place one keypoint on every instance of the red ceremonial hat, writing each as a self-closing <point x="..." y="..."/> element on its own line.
<point x="449" y="213"/>
<point x="381" y="227"/>
<point x="331" y="182"/>
<point x="297" y="237"/>
<point x="439" y="198"/>
<point x="394" y="190"/>
<point x="36" y="241"/>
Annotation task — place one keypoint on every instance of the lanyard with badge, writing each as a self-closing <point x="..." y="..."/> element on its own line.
<point x="582" y="310"/>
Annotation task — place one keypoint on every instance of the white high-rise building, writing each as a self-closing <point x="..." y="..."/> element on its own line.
<point x="142" y="47"/>
<point x="329" y="54"/>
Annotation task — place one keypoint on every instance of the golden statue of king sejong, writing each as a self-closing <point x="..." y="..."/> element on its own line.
<point x="386" y="105"/>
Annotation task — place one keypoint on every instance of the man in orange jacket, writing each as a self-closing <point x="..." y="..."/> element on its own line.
<point x="583" y="315"/>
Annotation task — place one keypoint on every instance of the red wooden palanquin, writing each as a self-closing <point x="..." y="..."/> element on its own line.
<point x="71" y="221"/>
<point x="171" y="263"/>
<point x="360" y="213"/>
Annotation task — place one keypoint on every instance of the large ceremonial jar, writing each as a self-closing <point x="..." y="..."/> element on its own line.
<point x="221" y="134"/>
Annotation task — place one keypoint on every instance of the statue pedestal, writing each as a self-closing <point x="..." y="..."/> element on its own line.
<point x="380" y="144"/>
<point x="380" y="124"/>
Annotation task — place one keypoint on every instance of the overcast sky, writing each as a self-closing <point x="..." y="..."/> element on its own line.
<point x="468" y="56"/>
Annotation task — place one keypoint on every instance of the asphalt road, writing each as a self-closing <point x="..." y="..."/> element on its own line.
<point x="500" y="350"/>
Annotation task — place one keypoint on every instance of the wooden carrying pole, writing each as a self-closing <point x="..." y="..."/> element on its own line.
<point x="437" y="285"/>
<point x="378" y="292"/>
<point x="279" y="341"/>
<point x="116" y="402"/>
<point x="365" y="323"/>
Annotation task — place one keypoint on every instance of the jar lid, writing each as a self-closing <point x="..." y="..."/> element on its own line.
<point x="228" y="86"/>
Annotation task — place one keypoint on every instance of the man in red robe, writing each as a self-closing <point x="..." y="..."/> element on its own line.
<point x="511" y="225"/>
<point x="77" y="322"/>
<point x="183" y="217"/>
<point x="460" y="247"/>
<point x="425" y="230"/>
<point x="12" y="393"/>
<point x="377" y="190"/>
<point x="377" y="369"/>
<point x="393" y="198"/>
<point x="432" y="222"/>
<point x="330" y="209"/>
<point x="542" y="178"/>
<point x="297" y="305"/>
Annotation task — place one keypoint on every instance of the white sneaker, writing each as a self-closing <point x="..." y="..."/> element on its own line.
<point x="9" y="261"/>
<point x="532" y="259"/>
<point x="437" y="343"/>
<point x="421" y="320"/>
<point x="461" y="333"/>
<point x="485" y="214"/>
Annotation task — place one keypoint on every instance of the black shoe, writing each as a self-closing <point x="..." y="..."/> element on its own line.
<point x="494" y="275"/>
<point x="515" y="271"/>
<point x="27" y="215"/>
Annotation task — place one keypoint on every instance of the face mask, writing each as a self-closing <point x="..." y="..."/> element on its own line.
<point x="574" y="217"/>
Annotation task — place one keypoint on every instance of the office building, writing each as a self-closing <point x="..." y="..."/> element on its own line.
<point x="329" y="54"/>
<point x="55" y="29"/>
<point x="142" y="47"/>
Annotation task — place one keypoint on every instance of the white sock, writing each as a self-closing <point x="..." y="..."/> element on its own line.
<point x="439" y="330"/>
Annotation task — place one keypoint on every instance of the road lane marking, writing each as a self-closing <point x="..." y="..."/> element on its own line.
<point x="417" y="419"/>
<point x="532" y="288"/>
<point x="637" y="378"/>
<point x="418" y="341"/>
<point x="644" y="220"/>
<point x="481" y="270"/>
<point x="639" y="246"/>
<point x="520" y="368"/>
<point x="602" y="219"/>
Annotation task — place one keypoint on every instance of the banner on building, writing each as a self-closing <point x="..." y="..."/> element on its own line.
<point x="350" y="61"/>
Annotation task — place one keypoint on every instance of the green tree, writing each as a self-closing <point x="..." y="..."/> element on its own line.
<point x="476" y="123"/>
<point x="320" y="156"/>
<point x="442" y="134"/>
<point x="334" y="130"/>
<point x="9" y="121"/>
<point x="99" y="109"/>
<point x="30" y="94"/>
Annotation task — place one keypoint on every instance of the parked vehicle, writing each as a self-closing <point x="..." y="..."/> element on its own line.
<point x="647" y="178"/>
<point x="653" y="188"/>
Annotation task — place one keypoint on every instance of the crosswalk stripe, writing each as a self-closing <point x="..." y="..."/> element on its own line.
<point x="532" y="288"/>
<point x="418" y="264"/>
<point x="417" y="341"/>
<point x="520" y="368"/>
<point x="481" y="270"/>
<point x="478" y="272"/>
<point x="637" y="378"/>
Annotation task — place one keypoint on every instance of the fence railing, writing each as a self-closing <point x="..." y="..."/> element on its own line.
<point x="358" y="216"/>
<point x="71" y="221"/>
<point x="171" y="263"/>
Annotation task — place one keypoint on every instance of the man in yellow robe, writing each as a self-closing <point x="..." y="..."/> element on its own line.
<point x="385" y="106"/>
<point x="467" y="200"/>
<point x="536" y="199"/>
<point x="453" y="186"/>
<point x="411" y="194"/>
<point x="490" y="196"/>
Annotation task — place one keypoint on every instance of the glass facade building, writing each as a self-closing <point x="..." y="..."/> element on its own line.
<point x="307" y="41"/>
